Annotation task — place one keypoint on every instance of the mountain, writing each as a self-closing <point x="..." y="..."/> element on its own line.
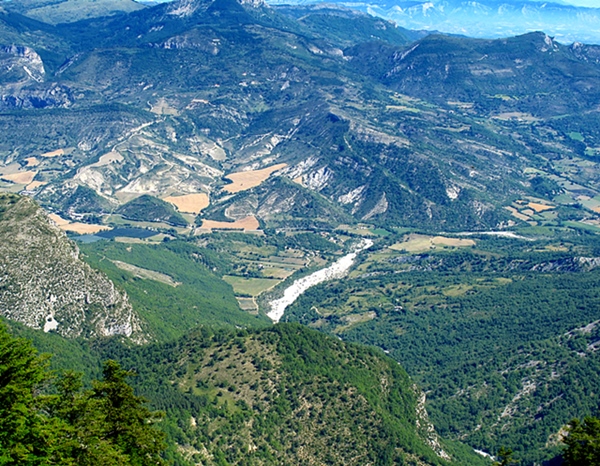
<point x="67" y="11"/>
<point x="280" y="395"/>
<point x="284" y="137"/>
<point x="487" y="18"/>
<point x="45" y="285"/>
<point x="533" y="71"/>
<point x="119" y="289"/>
<point x="360" y="123"/>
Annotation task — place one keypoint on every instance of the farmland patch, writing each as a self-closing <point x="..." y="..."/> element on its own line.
<point x="250" y="179"/>
<point x="190" y="203"/>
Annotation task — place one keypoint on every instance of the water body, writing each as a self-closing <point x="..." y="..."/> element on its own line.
<point x="336" y="270"/>
<point x="117" y="232"/>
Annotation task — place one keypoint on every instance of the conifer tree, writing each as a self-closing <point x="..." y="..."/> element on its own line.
<point x="105" y="426"/>
<point x="128" y="423"/>
<point x="583" y="443"/>
<point x="26" y="436"/>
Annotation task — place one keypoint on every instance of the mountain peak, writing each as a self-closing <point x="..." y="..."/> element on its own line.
<point x="186" y="8"/>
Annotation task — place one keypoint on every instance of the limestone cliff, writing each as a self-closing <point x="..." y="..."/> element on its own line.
<point x="45" y="285"/>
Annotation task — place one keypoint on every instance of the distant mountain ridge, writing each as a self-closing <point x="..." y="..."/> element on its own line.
<point x="486" y="18"/>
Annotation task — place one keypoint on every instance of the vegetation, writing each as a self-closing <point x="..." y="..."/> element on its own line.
<point x="149" y="208"/>
<point x="107" y="425"/>
<point x="501" y="336"/>
<point x="284" y="394"/>
<point x="583" y="442"/>
<point x="426" y="135"/>
<point x="193" y="295"/>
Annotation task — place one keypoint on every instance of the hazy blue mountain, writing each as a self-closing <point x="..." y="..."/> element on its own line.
<point x="486" y="18"/>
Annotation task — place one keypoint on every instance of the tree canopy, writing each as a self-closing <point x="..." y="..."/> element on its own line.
<point x="50" y="421"/>
<point x="583" y="443"/>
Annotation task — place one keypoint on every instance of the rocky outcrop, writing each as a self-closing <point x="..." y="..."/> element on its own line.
<point x="44" y="284"/>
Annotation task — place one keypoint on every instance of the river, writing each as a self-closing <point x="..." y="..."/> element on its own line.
<point x="336" y="270"/>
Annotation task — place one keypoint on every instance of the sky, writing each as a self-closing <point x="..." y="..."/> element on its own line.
<point x="588" y="3"/>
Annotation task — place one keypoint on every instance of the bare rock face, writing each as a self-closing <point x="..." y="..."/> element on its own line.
<point x="44" y="284"/>
<point x="24" y="58"/>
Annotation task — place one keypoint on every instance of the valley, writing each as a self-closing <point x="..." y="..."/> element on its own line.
<point x="318" y="237"/>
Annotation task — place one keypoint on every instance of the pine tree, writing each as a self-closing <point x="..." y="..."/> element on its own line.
<point x="128" y="423"/>
<point x="86" y="439"/>
<point x="105" y="426"/>
<point x="583" y="443"/>
<point x="26" y="436"/>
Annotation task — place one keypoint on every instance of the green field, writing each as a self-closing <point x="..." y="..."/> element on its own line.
<point x="250" y="286"/>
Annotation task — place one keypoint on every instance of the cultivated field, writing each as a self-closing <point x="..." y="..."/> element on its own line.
<point x="54" y="153"/>
<point x="189" y="203"/>
<point x="32" y="162"/>
<point x="250" y="179"/>
<point x="84" y="228"/>
<point x="21" y="177"/>
<point x="247" y="304"/>
<point x="35" y="184"/>
<point x="246" y="224"/>
<point x="515" y="213"/>
<point x="420" y="243"/>
<point x="250" y="286"/>
<point x="539" y="207"/>
<point x="58" y="219"/>
<point x="162" y="107"/>
<point x="77" y="227"/>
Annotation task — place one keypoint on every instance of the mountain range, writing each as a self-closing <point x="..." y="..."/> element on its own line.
<point x="487" y="18"/>
<point x="171" y="100"/>
<point x="206" y="154"/>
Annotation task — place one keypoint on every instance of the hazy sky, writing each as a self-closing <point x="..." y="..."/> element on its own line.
<point x="589" y="3"/>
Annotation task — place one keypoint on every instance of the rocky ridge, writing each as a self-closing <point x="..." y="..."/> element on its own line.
<point x="45" y="285"/>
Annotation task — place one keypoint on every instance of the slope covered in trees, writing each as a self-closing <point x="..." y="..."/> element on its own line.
<point x="282" y="395"/>
<point x="502" y="335"/>
<point x="45" y="421"/>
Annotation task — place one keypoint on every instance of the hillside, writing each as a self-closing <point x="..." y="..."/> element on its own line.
<point x="365" y="123"/>
<point x="282" y="395"/>
<point x="150" y="208"/>
<point x="502" y="333"/>
<point x="45" y="285"/>
<point x="206" y="154"/>
<point x="68" y="11"/>
<point x="171" y="286"/>
<point x="142" y="291"/>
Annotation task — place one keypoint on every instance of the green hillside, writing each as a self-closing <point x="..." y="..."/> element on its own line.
<point x="169" y="286"/>
<point x="501" y="333"/>
<point x="152" y="209"/>
<point x="282" y="395"/>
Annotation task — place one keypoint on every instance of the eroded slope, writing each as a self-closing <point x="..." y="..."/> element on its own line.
<point x="44" y="284"/>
